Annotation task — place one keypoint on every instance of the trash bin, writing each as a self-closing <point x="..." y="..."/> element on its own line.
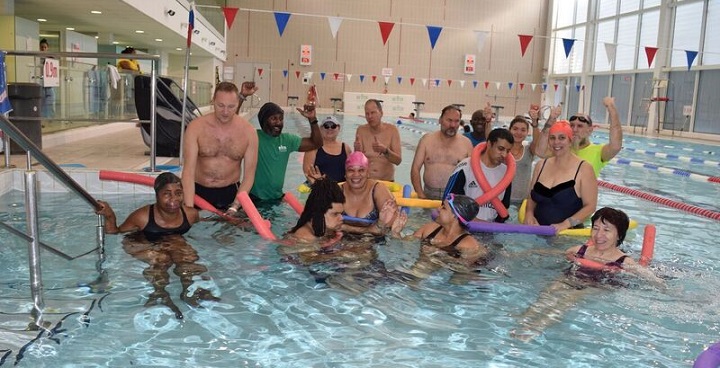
<point x="26" y="100"/>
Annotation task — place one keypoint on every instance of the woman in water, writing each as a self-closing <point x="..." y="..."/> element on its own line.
<point x="330" y="158"/>
<point x="565" y="189"/>
<point x="609" y="227"/>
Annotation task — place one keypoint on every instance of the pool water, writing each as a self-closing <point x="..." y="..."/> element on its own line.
<point x="274" y="313"/>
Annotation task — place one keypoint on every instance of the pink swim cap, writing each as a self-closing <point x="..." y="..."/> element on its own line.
<point x="562" y="126"/>
<point x="357" y="158"/>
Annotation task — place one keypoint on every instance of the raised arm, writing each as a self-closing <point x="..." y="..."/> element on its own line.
<point x="613" y="147"/>
<point x="534" y="113"/>
<point x="488" y="116"/>
<point x="315" y="140"/>
<point x="542" y="149"/>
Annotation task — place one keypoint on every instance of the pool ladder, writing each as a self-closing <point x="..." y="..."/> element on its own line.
<point x="32" y="237"/>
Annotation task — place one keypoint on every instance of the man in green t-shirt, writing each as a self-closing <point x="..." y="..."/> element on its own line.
<point x="597" y="155"/>
<point x="274" y="148"/>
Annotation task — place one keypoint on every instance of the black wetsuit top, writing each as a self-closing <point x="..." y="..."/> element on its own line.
<point x="452" y="248"/>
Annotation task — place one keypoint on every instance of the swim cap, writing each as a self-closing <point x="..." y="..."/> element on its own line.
<point x="463" y="207"/>
<point x="562" y="126"/>
<point x="164" y="179"/>
<point x="357" y="158"/>
<point x="266" y="111"/>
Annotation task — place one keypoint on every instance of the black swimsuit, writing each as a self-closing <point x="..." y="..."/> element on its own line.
<point x="554" y="205"/>
<point x="452" y="248"/>
<point x="153" y="231"/>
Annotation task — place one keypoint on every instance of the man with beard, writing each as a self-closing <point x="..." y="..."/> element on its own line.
<point x="439" y="153"/>
<point x="492" y="163"/>
<point x="274" y="148"/>
<point x="380" y="142"/>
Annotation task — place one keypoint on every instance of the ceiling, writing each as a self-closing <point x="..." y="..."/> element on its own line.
<point x="118" y="22"/>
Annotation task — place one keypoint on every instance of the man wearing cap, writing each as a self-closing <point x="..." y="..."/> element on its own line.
<point x="328" y="160"/>
<point x="379" y="141"/>
<point x="492" y="164"/>
<point x="597" y="155"/>
<point x="274" y="149"/>
<point x="439" y="153"/>
<point x="215" y="148"/>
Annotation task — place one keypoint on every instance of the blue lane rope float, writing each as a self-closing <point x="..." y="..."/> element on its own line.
<point x="692" y="160"/>
<point x="667" y="170"/>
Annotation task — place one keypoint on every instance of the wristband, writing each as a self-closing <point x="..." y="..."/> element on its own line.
<point x="312" y="122"/>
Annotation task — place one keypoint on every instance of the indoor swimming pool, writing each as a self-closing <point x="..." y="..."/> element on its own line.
<point x="274" y="313"/>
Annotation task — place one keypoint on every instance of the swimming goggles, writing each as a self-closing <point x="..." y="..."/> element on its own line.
<point x="449" y="199"/>
<point x="581" y="118"/>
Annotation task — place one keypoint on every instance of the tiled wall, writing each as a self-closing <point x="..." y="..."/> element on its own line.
<point x="88" y="179"/>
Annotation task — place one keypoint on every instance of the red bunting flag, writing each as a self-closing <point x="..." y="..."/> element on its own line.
<point x="374" y="77"/>
<point x="650" y="53"/>
<point x="336" y="75"/>
<point x="412" y="81"/>
<point x="230" y="14"/>
<point x="260" y="71"/>
<point x="555" y="86"/>
<point x="385" y="30"/>
<point x="522" y="85"/>
<point x="487" y="84"/>
<point x="297" y="74"/>
<point x="449" y="82"/>
<point x="524" y="42"/>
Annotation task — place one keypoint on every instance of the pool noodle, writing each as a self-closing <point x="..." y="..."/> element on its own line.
<point x="496" y="227"/>
<point x="291" y="200"/>
<point x="407" y="193"/>
<point x="709" y="358"/>
<point x="645" y="254"/>
<point x="491" y="194"/>
<point x="262" y="227"/>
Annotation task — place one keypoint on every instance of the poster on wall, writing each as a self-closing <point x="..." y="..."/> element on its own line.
<point x="305" y="54"/>
<point x="51" y="76"/>
<point x="469" y="64"/>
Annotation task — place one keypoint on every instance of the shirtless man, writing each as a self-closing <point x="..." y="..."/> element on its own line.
<point x="216" y="146"/>
<point x="439" y="152"/>
<point x="380" y="142"/>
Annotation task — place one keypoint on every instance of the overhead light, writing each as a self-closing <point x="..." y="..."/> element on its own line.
<point x="97" y="37"/>
<point x="42" y="20"/>
<point x="139" y="31"/>
<point x="178" y="48"/>
<point x="95" y="12"/>
<point x="158" y="39"/>
<point x="116" y="43"/>
<point x="70" y="28"/>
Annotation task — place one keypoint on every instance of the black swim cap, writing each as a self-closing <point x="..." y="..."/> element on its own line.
<point x="465" y="206"/>
<point x="164" y="179"/>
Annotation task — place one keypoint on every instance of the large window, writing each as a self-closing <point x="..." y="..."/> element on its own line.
<point x="641" y="99"/>
<point x="712" y="41"/>
<point x="622" y="84"/>
<point x="627" y="40"/>
<point x="686" y="35"/>
<point x="600" y="88"/>
<point x="680" y="91"/>
<point x="708" y="108"/>
<point x="628" y="6"/>
<point x="648" y="35"/>
<point x="605" y="34"/>
<point x="607" y="8"/>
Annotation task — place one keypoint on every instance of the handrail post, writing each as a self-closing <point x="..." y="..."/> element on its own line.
<point x="36" y="285"/>
<point x="6" y="139"/>
<point x="153" y="122"/>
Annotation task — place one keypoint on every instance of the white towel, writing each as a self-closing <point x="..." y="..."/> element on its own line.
<point x="113" y="75"/>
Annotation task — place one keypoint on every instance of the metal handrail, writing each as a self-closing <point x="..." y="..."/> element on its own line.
<point x="16" y="135"/>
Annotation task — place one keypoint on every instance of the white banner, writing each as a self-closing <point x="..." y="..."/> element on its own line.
<point x="51" y="73"/>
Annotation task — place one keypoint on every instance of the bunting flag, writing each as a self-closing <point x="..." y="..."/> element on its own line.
<point x="433" y="33"/>
<point x="577" y="87"/>
<point x="374" y="77"/>
<point x="522" y="86"/>
<point x="524" y="42"/>
<point x="349" y="77"/>
<point x="281" y="20"/>
<point x="510" y="85"/>
<point x="230" y="14"/>
<point x="544" y="87"/>
<point x="555" y="86"/>
<point x="568" y="44"/>
<point x="650" y="53"/>
<point x="385" y="30"/>
<point x="437" y="82"/>
<point x="336" y="76"/>
<point x="691" y="55"/>
<point x="475" y="83"/>
<point x="260" y="71"/>
<point x="285" y="73"/>
<point x="462" y="83"/>
<point x="533" y="86"/>
<point x="387" y="80"/>
<point x="480" y="36"/>
<point x="424" y="82"/>
<point x="5" y="105"/>
<point x="412" y="81"/>
<point x="610" y="50"/>
<point x="191" y="23"/>
<point x="487" y="84"/>
<point x="297" y="74"/>
<point x="322" y="75"/>
<point x="399" y="79"/>
<point x="309" y="75"/>
<point x="497" y="85"/>
<point x="362" y="78"/>
<point x="334" y="25"/>
<point x="449" y="82"/>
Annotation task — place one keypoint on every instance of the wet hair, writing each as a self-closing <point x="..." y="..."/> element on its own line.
<point x="466" y="207"/>
<point x="448" y="108"/>
<point x="226" y="87"/>
<point x="376" y="102"/>
<point x="164" y="179"/>
<point x="500" y="133"/>
<point x="266" y="111"/>
<point x="519" y="119"/>
<point x="128" y="50"/>
<point x="323" y="193"/>
<point x="617" y="218"/>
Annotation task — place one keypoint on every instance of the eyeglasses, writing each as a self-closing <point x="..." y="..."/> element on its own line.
<point x="581" y="118"/>
<point x="449" y="199"/>
<point x="330" y="125"/>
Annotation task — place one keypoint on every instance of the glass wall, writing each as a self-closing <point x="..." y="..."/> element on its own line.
<point x="707" y="116"/>
<point x="621" y="89"/>
<point x="600" y="89"/>
<point x="641" y="99"/>
<point x="680" y="90"/>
